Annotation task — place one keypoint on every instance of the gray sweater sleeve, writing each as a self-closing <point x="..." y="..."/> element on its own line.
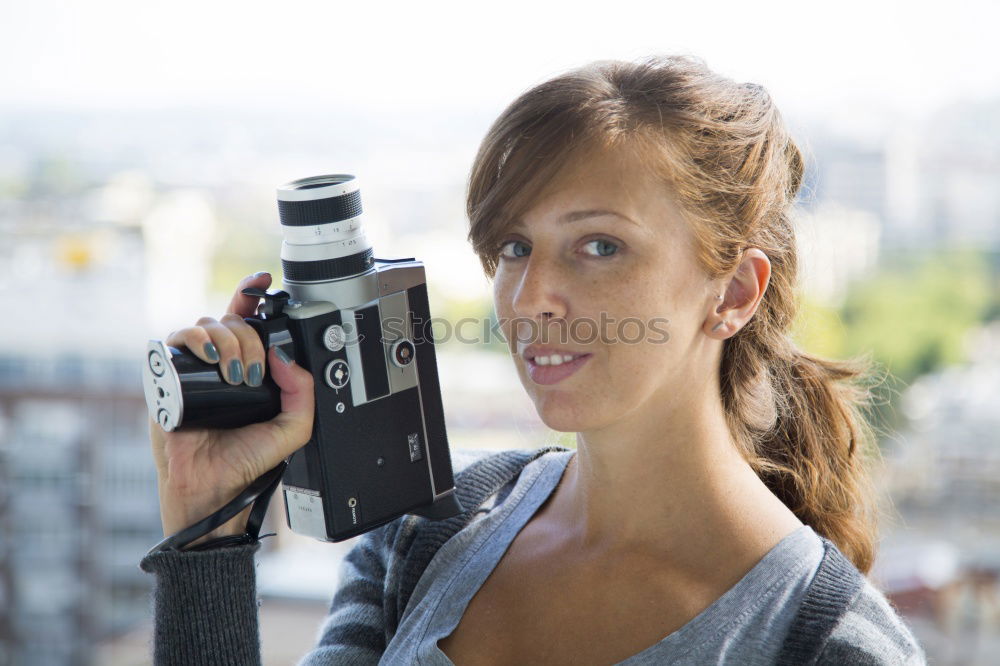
<point x="354" y="632"/>
<point x="205" y="606"/>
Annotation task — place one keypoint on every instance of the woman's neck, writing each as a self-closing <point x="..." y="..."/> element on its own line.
<point x="670" y="483"/>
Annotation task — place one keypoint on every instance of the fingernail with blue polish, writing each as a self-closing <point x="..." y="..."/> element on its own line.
<point x="235" y="371"/>
<point x="282" y="356"/>
<point x="211" y="352"/>
<point x="255" y="374"/>
<point x="260" y="274"/>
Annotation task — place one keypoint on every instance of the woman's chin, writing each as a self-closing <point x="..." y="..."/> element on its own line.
<point x="562" y="416"/>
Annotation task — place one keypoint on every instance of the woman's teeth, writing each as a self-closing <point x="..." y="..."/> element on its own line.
<point x="553" y="359"/>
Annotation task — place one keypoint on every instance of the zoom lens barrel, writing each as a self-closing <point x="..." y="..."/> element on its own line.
<point x="324" y="237"/>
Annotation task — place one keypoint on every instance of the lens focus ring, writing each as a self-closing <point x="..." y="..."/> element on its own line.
<point x="320" y="211"/>
<point x="327" y="269"/>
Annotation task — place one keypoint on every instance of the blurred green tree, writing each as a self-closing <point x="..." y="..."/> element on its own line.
<point x="915" y="313"/>
<point x="912" y="317"/>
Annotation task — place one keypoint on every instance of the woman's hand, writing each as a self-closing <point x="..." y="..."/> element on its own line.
<point x="201" y="470"/>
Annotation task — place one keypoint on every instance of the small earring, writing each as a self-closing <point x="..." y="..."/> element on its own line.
<point x="719" y="325"/>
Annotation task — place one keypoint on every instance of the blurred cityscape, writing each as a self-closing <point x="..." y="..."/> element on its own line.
<point x="120" y="227"/>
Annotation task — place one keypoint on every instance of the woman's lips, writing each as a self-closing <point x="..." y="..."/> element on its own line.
<point x="550" y="374"/>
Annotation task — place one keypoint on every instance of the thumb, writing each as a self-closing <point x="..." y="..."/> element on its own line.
<point x="297" y="400"/>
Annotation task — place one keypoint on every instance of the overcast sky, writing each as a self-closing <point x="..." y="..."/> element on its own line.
<point x="478" y="55"/>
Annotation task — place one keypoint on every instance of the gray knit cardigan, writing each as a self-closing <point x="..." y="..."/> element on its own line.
<point x="205" y="603"/>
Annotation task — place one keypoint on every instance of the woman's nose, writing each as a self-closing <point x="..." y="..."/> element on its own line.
<point x="539" y="293"/>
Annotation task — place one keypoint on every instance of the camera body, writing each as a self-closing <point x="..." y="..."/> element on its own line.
<point x="361" y="326"/>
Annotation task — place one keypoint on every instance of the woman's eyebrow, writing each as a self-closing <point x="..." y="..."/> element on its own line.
<point x="597" y="212"/>
<point x="576" y="215"/>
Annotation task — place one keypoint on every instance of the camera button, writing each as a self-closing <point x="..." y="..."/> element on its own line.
<point x="337" y="374"/>
<point x="402" y="353"/>
<point x="334" y="338"/>
<point x="156" y="363"/>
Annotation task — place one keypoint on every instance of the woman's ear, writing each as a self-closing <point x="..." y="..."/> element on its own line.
<point x="742" y="295"/>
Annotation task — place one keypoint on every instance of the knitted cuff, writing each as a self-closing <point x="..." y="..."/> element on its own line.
<point x="205" y="606"/>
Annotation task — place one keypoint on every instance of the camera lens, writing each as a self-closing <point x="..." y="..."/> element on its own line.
<point x="324" y="238"/>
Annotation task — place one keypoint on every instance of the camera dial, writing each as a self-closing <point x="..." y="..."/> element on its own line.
<point x="337" y="374"/>
<point x="402" y="353"/>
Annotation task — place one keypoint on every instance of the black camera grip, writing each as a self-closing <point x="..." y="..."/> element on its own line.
<point x="209" y="401"/>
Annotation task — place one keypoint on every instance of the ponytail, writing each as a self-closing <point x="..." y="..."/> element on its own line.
<point x="799" y="422"/>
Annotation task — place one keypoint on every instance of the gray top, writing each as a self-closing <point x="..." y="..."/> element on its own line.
<point x="205" y="607"/>
<point x="747" y="625"/>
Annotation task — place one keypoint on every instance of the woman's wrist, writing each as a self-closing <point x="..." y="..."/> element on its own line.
<point x="235" y="527"/>
<point x="174" y="522"/>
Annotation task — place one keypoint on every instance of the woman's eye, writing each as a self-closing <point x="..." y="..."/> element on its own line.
<point x="514" y="249"/>
<point x="601" y="248"/>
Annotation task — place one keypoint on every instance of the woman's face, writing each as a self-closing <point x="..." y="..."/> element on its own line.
<point x="601" y="272"/>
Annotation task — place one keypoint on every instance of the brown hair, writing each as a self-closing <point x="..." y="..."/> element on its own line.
<point x="725" y="152"/>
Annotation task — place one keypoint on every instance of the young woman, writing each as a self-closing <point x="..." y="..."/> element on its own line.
<point x="634" y="218"/>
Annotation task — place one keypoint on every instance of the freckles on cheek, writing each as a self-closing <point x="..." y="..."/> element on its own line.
<point x="634" y="373"/>
<point x="501" y="296"/>
<point x="631" y="302"/>
<point x="504" y="314"/>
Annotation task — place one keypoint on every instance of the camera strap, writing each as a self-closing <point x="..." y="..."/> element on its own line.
<point x="257" y="493"/>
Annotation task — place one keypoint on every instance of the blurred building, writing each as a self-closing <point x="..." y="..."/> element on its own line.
<point x="947" y="464"/>
<point x="941" y="557"/>
<point x="837" y="245"/>
<point x="849" y="171"/>
<point x="80" y="504"/>
<point x="930" y="181"/>
<point x="958" y="150"/>
<point x="78" y="500"/>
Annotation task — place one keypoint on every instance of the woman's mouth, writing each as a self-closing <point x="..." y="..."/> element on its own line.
<point x="550" y="368"/>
